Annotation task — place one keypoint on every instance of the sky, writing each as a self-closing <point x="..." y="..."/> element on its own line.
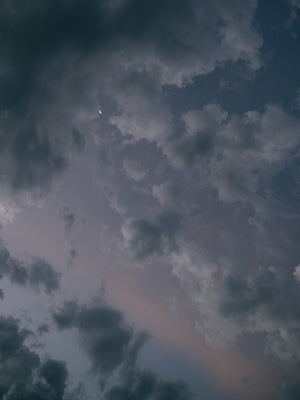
<point x="149" y="200"/>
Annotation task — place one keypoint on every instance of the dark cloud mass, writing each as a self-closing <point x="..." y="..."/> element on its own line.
<point x="104" y="334"/>
<point x="266" y="301"/>
<point x="182" y="145"/>
<point x="145" y="238"/>
<point x="196" y="146"/>
<point x="21" y="369"/>
<point x="55" y="373"/>
<point x="54" y="53"/>
<point x="37" y="273"/>
<point x="145" y="384"/>
<point x="112" y="346"/>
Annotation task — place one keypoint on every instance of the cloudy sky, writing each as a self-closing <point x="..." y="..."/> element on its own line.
<point x="149" y="199"/>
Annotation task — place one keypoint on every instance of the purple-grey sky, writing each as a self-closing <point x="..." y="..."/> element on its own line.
<point x="149" y="199"/>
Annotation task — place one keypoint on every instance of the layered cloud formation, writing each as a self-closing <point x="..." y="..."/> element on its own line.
<point x="174" y="175"/>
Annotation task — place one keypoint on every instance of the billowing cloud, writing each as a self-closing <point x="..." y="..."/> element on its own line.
<point x="104" y="334"/>
<point x="49" y="100"/>
<point x="22" y="374"/>
<point x="198" y="143"/>
<point x="178" y="180"/>
<point x="167" y="54"/>
<point x="240" y="156"/>
<point x="144" y="384"/>
<point x="112" y="346"/>
<point x="260" y="302"/>
<point x="232" y="301"/>
<point x="145" y="238"/>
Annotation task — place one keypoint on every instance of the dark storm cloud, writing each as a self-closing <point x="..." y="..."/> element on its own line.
<point x="267" y="289"/>
<point x="44" y="328"/>
<point x="112" y="346"/>
<point x="42" y="274"/>
<point x="56" y="54"/>
<point x="37" y="273"/>
<point x="22" y="375"/>
<point x="290" y="391"/>
<point x="144" y="384"/>
<point x="162" y="51"/>
<point x="145" y="238"/>
<point x="104" y="334"/>
<point x="36" y="121"/>
<point x="56" y="374"/>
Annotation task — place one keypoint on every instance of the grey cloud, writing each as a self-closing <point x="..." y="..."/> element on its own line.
<point x="242" y="155"/>
<point x="43" y="274"/>
<point x="50" y="385"/>
<point x="103" y="332"/>
<point x="267" y="302"/>
<point x="112" y="346"/>
<point x="290" y="391"/>
<point x="255" y="148"/>
<point x="22" y="374"/>
<point x="17" y="362"/>
<point x="17" y="271"/>
<point x="201" y="127"/>
<point x="245" y="296"/>
<point x="66" y="317"/>
<point x="168" y="54"/>
<point x="166" y="192"/>
<point x="144" y="238"/>
<point x="44" y="328"/>
<point x="37" y="273"/>
<point x="38" y="391"/>
<point x="56" y="374"/>
<point x="199" y="146"/>
<point x="133" y="170"/>
<point x="232" y="301"/>
<point x="48" y="100"/>
<point x="144" y="384"/>
<point x="36" y="122"/>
